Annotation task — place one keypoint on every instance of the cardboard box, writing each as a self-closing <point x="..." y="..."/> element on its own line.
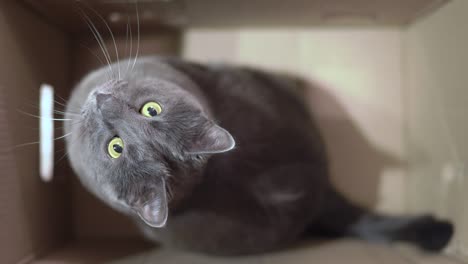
<point x="391" y="108"/>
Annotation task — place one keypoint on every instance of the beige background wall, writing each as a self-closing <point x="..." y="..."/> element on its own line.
<point x="436" y="95"/>
<point x="359" y="104"/>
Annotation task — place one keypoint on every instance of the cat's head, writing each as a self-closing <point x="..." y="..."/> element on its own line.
<point x="142" y="141"/>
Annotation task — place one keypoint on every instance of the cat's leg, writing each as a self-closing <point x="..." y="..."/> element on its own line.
<point x="221" y="234"/>
<point x="275" y="209"/>
<point x="341" y="218"/>
<point x="213" y="233"/>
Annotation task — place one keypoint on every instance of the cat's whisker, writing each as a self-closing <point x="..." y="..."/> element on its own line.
<point x="62" y="119"/>
<point x="98" y="38"/>
<point x="63" y="127"/>
<point x="68" y="112"/>
<point x="25" y="144"/>
<point x="35" y="105"/>
<point x="61" y="158"/>
<point x="111" y="34"/>
<point x="55" y="119"/>
<point x="126" y="42"/>
<point x="55" y="127"/>
<point x="64" y="136"/>
<point x="71" y="144"/>
<point x="102" y="46"/>
<point x="65" y="113"/>
<point x="129" y="59"/>
<point x="98" y="58"/>
<point x="65" y="107"/>
<point x="60" y="150"/>
<point x="38" y="128"/>
<point x="61" y="98"/>
<point x="37" y="142"/>
<point x="72" y="107"/>
<point x="138" y="34"/>
<point x="131" y="48"/>
<point x="58" y="111"/>
<point x="126" y="35"/>
<point x="61" y="104"/>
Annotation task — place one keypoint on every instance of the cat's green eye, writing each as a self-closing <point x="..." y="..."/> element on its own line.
<point x="115" y="147"/>
<point x="151" y="109"/>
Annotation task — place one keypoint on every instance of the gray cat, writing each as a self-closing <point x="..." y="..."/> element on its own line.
<point x="217" y="159"/>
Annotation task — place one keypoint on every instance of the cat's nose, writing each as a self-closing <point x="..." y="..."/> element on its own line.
<point x="102" y="97"/>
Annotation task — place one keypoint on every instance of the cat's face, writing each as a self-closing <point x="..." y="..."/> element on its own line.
<point x="135" y="138"/>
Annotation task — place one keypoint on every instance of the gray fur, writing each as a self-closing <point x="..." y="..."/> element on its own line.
<point x="234" y="163"/>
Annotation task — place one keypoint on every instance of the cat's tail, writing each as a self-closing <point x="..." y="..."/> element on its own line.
<point x="340" y="218"/>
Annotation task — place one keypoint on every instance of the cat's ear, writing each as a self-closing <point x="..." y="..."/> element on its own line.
<point x="214" y="139"/>
<point x="154" y="212"/>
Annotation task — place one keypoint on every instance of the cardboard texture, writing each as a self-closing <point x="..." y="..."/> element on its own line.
<point x="34" y="215"/>
<point x="381" y="66"/>
<point x="242" y="13"/>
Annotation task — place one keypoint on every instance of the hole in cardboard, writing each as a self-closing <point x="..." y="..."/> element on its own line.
<point x="46" y="141"/>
